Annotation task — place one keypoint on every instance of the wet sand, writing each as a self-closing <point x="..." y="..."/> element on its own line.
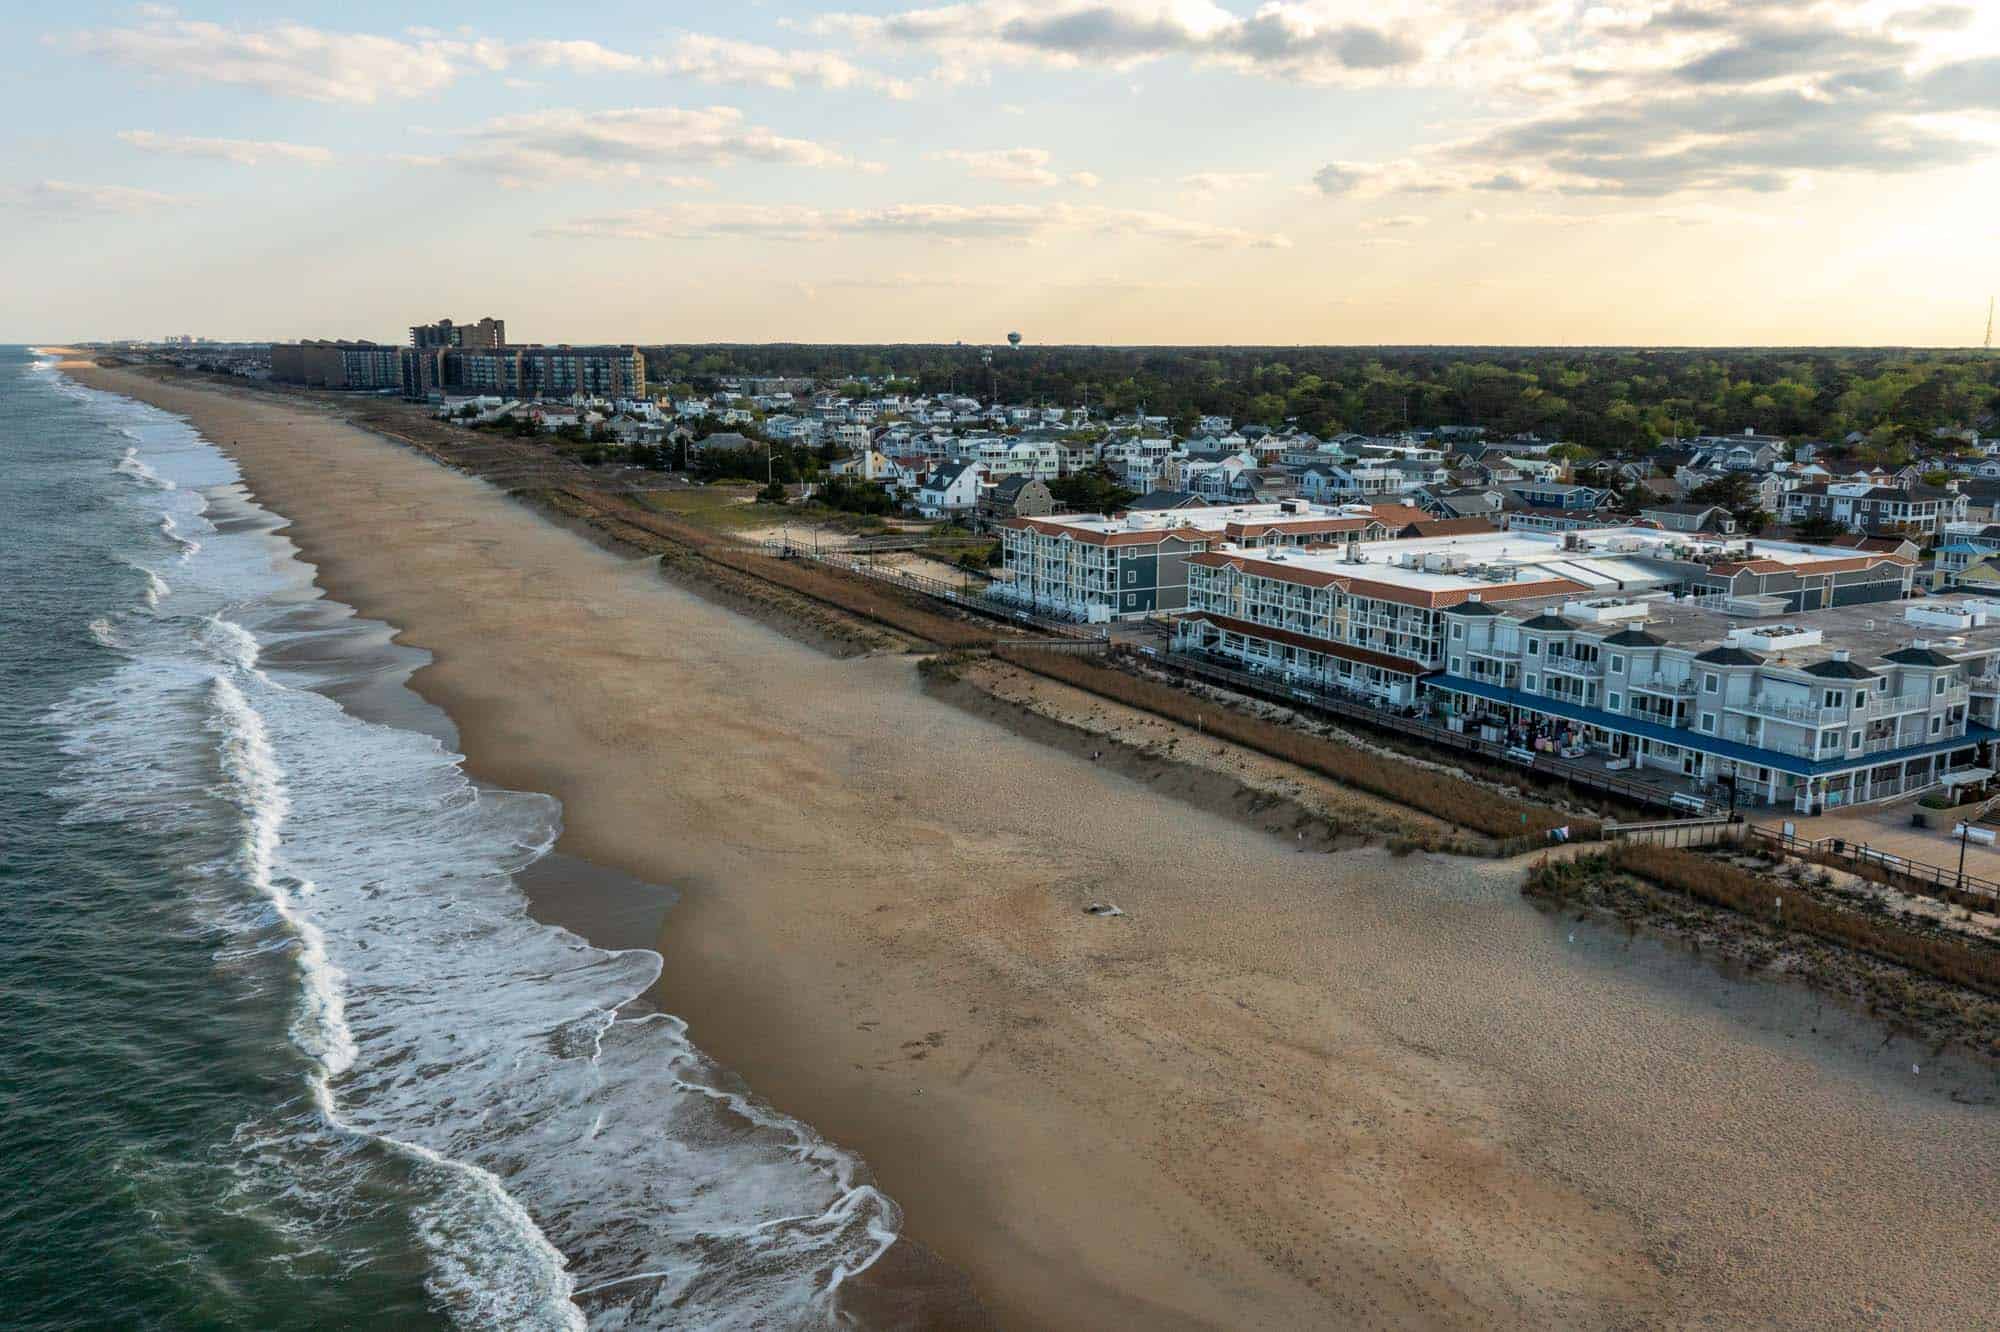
<point x="1287" y="1089"/>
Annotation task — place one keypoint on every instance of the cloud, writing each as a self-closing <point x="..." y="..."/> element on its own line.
<point x="243" y="152"/>
<point x="943" y="222"/>
<point x="1765" y="54"/>
<point x="1337" y="178"/>
<point x="62" y="198"/>
<point x="534" y="147"/>
<point x="1222" y="182"/>
<point x="719" y="60"/>
<point x="1400" y="222"/>
<point x="1734" y="139"/>
<point x="1303" y="39"/>
<point x="288" y="60"/>
<point x="293" y="60"/>
<point x="1025" y="167"/>
<point x="1706" y="97"/>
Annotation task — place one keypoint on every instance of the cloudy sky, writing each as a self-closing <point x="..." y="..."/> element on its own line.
<point x="1283" y="171"/>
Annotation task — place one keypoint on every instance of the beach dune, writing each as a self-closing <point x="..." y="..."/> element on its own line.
<point x="1285" y="1089"/>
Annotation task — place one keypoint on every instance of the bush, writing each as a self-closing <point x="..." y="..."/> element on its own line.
<point x="1719" y="884"/>
<point x="1453" y="799"/>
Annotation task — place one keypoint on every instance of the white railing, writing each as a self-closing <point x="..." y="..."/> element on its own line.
<point x="1810" y="714"/>
<point x="1661" y="685"/>
<point x="1589" y="670"/>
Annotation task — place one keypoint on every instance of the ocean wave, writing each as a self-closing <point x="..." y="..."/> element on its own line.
<point x="575" y="1156"/>
<point x="493" y="1267"/>
<point x="133" y="466"/>
<point x="156" y="589"/>
<point x="105" y="635"/>
<point x="171" y="530"/>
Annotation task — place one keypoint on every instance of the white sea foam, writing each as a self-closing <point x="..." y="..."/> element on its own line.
<point x="106" y="636"/>
<point x="131" y="465"/>
<point x="171" y="530"/>
<point x="578" y="1156"/>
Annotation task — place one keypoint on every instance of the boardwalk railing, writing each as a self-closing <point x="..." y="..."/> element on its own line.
<point x="1885" y="867"/>
<point x="1069" y="646"/>
<point x="1705" y="831"/>
<point x="965" y="598"/>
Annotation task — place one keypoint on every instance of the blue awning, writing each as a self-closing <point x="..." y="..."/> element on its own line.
<point x="1707" y="744"/>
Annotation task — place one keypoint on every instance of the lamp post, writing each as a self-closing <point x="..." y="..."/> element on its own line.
<point x="1964" y="835"/>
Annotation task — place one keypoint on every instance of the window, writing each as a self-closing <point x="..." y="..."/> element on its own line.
<point x="1533" y="682"/>
<point x="1708" y="683"/>
<point x="1708" y="722"/>
<point x="1615" y="703"/>
<point x="1854" y="740"/>
<point x="1534" y="647"/>
<point x="1937" y="685"/>
<point x="1937" y="725"/>
<point x="1617" y="663"/>
<point x="1456" y="669"/>
<point x="1458" y="630"/>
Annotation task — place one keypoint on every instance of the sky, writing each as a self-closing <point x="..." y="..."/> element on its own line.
<point x="1081" y="171"/>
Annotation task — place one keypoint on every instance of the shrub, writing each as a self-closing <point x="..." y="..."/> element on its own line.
<point x="1710" y="880"/>
<point x="1442" y="795"/>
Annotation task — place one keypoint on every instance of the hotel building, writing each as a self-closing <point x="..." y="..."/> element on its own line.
<point x="1799" y="671"/>
<point x="1136" y="564"/>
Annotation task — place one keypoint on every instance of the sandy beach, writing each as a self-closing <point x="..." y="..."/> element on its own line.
<point x="1286" y="1089"/>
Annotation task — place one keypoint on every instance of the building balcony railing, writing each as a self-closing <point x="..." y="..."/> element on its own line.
<point x="1587" y="670"/>
<point x="1658" y="684"/>
<point x="1808" y="714"/>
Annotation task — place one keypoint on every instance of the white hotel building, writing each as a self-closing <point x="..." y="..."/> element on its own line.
<point x="1097" y="569"/>
<point x="1802" y="671"/>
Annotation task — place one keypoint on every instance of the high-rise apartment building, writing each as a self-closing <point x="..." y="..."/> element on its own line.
<point x="488" y="332"/>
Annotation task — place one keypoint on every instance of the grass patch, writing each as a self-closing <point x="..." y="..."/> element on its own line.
<point x="712" y="508"/>
<point x="1717" y="883"/>
<point x="1440" y="795"/>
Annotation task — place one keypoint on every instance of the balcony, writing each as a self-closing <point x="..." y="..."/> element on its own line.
<point x="1659" y="684"/>
<point x="1583" y="670"/>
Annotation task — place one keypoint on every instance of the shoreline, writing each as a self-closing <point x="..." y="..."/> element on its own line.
<point x="1130" y="1164"/>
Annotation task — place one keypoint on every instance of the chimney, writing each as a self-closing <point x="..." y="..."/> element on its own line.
<point x="1840" y="654"/>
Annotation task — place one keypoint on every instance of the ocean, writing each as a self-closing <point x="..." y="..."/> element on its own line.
<point x="284" y="1046"/>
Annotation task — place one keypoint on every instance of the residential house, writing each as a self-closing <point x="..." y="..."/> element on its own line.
<point x="1690" y="516"/>
<point x="951" y="489"/>
<point x="1015" y="496"/>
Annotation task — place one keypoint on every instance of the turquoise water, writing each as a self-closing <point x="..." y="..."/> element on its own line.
<point x="283" y="1047"/>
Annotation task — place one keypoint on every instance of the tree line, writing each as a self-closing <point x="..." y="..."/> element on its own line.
<point x="1605" y="398"/>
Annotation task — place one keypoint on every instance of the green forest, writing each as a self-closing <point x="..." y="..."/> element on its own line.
<point x="1601" y="398"/>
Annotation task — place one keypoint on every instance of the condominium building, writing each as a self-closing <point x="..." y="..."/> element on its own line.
<point x="527" y="372"/>
<point x="1095" y="568"/>
<point x="340" y="365"/>
<point x="1646" y="649"/>
<point x="1915" y="511"/>
<point x="488" y="332"/>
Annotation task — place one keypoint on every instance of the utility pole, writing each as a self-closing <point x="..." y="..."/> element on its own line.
<point x="1964" y="834"/>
